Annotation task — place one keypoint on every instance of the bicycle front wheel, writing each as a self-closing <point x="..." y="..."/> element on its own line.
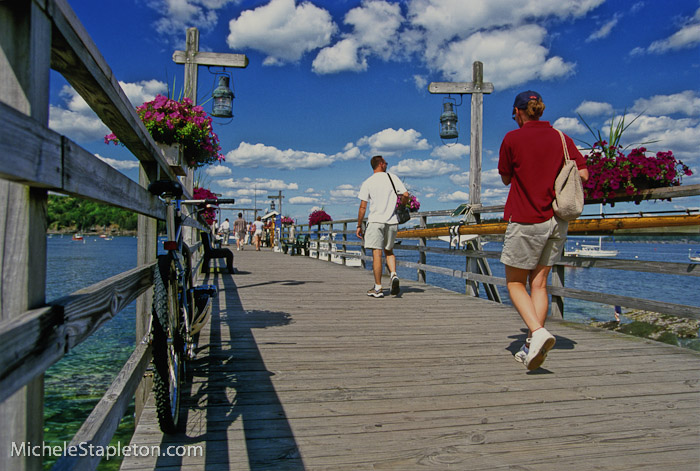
<point x="168" y="345"/>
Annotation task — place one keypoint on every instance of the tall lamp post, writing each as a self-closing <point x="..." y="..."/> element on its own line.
<point x="476" y="88"/>
<point x="193" y="58"/>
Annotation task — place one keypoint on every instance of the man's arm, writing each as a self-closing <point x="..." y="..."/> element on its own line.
<point x="405" y="197"/>
<point x="360" y="218"/>
<point x="506" y="179"/>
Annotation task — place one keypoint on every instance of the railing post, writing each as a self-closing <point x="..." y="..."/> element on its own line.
<point x="345" y="239"/>
<point x="472" y="266"/>
<point x="146" y="251"/>
<point x="422" y="243"/>
<point x="558" y="282"/>
<point x="25" y="58"/>
<point x="329" y="255"/>
<point x="363" y="262"/>
<point x="318" y="241"/>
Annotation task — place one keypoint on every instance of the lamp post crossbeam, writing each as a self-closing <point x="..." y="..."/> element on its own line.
<point x="211" y="59"/>
<point x="460" y="88"/>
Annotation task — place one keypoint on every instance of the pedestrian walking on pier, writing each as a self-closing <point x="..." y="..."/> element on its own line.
<point x="530" y="159"/>
<point x="382" y="223"/>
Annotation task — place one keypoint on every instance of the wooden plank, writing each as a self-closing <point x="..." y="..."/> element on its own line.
<point x="39" y="338"/>
<point x="25" y="33"/>
<point x="217" y="59"/>
<point x="87" y="309"/>
<point x="31" y="343"/>
<point x="104" y="419"/>
<point x="50" y="161"/>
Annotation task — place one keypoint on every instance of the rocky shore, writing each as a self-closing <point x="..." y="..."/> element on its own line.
<point x="656" y="326"/>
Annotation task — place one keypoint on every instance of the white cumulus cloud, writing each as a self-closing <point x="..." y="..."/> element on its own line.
<point x="453" y="152"/>
<point x="217" y="171"/>
<point x="76" y="119"/>
<point x="282" y="30"/>
<point x="686" y="37"/>
<point x="594" y="108"/>
<point x="570" y="125"/>
<point x="390" y="141"/>
<point x="119" y="164"/>
<point x="262" y="184"/>
<point x="423" y="168"/>
<point x="687" y="103"/>
<point x="302" y="200"/>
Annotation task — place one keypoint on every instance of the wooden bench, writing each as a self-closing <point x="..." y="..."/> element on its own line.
<point x="301" y="242"/>
<point x="210" y="253"/>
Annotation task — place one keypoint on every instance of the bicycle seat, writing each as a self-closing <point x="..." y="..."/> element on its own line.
<point x="166" y="188"/>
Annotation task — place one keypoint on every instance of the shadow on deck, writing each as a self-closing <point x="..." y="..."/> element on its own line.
<point x="300" y="370"/>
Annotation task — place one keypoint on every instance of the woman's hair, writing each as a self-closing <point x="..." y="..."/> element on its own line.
<point x="535" y="108"/>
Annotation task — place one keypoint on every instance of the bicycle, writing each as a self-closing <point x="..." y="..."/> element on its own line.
<point x="179" y="310"/>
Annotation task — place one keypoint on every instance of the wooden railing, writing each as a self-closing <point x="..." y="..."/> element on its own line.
<point x="39" y="35"/>
<point x="477" y="269"/>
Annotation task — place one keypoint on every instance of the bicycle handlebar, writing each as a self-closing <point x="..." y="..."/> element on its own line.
<point x="226" y="201"/>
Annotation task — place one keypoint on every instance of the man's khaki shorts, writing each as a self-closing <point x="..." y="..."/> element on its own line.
<point x="529" y="245"/>
<point x="380" y="236"/>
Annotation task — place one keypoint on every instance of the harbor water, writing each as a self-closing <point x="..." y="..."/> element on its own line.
<point x="76" y="383"/>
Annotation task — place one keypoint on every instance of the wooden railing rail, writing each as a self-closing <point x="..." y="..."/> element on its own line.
<point x="557" y="288"/>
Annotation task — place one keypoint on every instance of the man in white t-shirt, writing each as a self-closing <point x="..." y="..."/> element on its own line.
<point x="382" y="223"/>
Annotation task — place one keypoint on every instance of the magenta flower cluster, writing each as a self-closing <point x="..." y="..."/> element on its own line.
<point x="286" y="220"/>
<point x="174" y="122"/>
<point x="209" y="214"/>
<point x="413" y="203"/>
<point x="319" y="216"/>
<point x="614" y="174"/>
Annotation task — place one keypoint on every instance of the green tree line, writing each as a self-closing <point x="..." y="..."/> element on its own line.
<point x="69" y="212"/>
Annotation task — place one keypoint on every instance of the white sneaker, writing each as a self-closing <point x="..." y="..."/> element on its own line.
<point x="395" y="285"/>
<point x="521" y="354"/>
<point x="541" y="343"/>
<point x="375" y="293"/>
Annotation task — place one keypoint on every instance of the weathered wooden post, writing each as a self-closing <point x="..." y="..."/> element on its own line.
<point x="422" y="242"/>
<point x="193" y="58"/>
<point x="25" y="57"/>
<point x="476" y="88"/>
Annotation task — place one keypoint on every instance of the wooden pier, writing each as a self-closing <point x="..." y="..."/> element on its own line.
<point x="300" y="370"/>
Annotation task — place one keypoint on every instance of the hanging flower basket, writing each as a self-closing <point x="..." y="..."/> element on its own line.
<point x="616" y="175"/>
<point x="209" y="214"/>
<point x="174" y="122"/>
<point x="318" y="216"/>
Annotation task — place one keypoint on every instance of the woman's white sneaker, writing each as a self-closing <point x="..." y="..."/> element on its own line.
<point x="541" y="343"/>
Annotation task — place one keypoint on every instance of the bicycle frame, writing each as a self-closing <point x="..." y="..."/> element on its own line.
<point x="175" y="301"/>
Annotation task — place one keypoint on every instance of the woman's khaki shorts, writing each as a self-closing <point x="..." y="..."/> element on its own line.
<point x="380" y="236"/>
<point x="529" y="245"/>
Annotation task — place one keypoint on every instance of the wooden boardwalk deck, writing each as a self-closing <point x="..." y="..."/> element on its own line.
<point x="300" y="370"/>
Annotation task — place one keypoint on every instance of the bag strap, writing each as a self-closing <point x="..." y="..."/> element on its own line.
<point x="392" y="183"/>
<point x="563" y="143"/>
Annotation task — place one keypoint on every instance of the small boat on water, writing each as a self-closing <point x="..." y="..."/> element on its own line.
<point x="78" y="237"/>
<point x="590" y="250"/>
<point x="694" y="258"/>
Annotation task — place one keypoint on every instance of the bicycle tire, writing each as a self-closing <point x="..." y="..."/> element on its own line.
<point x="167" y="346"/>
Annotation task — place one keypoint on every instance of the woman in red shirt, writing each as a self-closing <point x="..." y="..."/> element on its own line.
<point x="530" y="159"/>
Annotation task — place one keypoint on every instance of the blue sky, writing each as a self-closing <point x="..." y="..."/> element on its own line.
<point x="331" y="83"/>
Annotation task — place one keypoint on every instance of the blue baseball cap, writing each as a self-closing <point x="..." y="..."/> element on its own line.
<point x="523" y="98"/>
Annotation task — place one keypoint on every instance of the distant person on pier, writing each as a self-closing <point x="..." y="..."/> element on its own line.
<point x="530" y="159"/>
<point x="224" y="231"/>
<point x="257" y="232"/>
<point x="382" y="223"/>
<point x="239" y="230"/>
